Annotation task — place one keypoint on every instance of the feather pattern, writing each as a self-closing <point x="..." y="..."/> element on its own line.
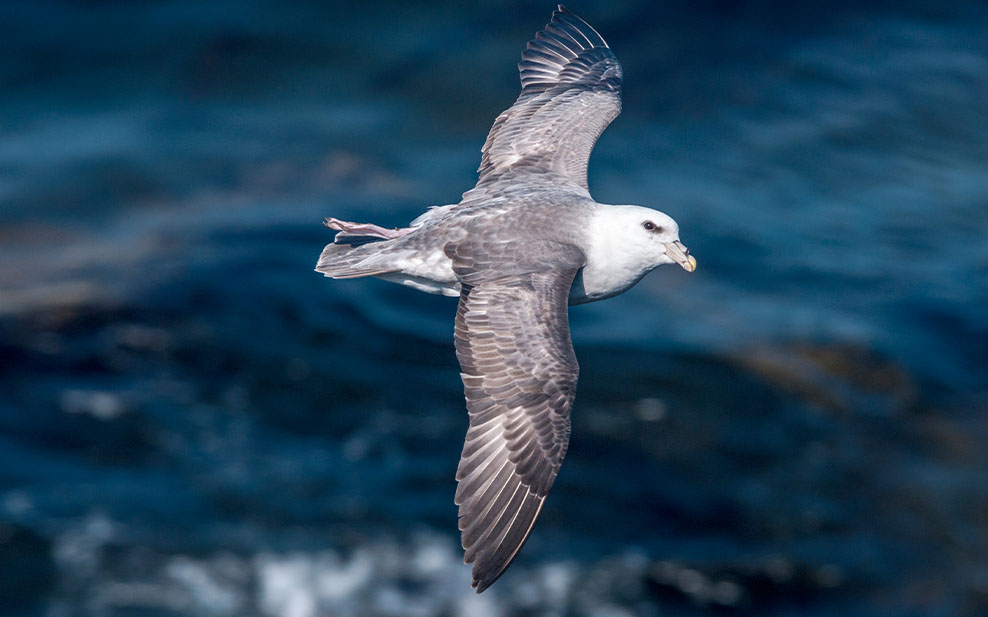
<point x="519" y="375"/>
<point x="571" y="91"/>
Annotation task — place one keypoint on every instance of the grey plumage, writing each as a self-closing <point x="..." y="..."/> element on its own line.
<point x="519" y="247"/>
<point x="571" y="91"/>
<point x="519" y="373"/>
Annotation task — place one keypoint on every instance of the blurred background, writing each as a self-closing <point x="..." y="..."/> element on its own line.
<point x="193" y="422"/>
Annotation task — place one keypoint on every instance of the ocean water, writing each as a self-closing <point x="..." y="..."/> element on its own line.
<point x="193" y="422"/>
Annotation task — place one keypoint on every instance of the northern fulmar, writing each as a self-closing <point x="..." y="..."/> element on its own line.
<point x="519" y="247"/>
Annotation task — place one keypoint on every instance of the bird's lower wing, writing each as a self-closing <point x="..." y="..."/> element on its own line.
<point x="519" y="373"/>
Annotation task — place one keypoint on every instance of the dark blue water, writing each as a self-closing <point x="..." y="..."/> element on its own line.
<point x="192" y="422"/>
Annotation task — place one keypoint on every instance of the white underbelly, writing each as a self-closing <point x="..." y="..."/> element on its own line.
<point x="432" y="273"/>
<point x="594" y="285"/>
<point x="421" y="284"/>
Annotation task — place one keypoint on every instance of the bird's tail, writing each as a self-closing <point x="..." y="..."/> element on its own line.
<point x="360" y="249"/>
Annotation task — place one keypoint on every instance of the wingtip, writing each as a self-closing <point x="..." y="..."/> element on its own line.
<point x="482" y="583"/>
<point x="478" y="582"/>
<point x="484" y="576"/>
<point x="565" y="38"/>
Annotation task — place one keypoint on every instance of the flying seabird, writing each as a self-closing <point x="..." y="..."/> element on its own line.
<point x="524" y="243"/>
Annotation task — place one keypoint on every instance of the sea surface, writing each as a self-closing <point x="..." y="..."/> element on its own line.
<point x="193" y="422"/>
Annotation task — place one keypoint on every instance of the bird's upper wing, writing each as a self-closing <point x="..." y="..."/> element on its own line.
<point x="519" y="373"/>
<point x="571" y="91"/>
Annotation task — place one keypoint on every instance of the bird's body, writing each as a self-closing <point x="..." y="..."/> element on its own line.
<point x="520" y="247"/>
<point x="417" y="258"/>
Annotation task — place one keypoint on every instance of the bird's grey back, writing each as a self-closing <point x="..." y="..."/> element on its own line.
<point x="512" y="213"/>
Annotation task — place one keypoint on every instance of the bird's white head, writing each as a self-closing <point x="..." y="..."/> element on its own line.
<point x="624" y="244"/>
<point x="640" y="237"/>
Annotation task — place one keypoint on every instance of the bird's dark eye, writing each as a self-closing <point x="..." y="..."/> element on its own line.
<point x="650" y="226"/>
